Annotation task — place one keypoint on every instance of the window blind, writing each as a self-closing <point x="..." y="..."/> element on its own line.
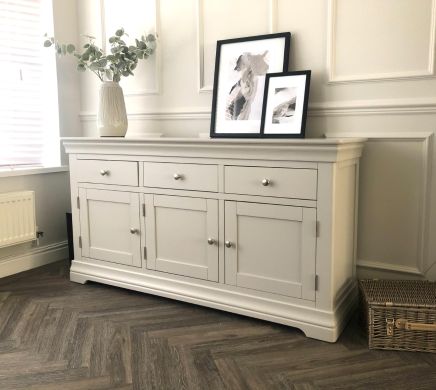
<point x="22" y="111"/>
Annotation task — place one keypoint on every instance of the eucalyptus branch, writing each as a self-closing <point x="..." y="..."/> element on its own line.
<point x="120" y="62"/>
<point x="97" y="73"/>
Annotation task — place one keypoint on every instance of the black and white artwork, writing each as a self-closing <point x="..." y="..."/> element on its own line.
<point x="285" y="104"/>
<point x="240" y="70"/>
<point x="242" y="94"/>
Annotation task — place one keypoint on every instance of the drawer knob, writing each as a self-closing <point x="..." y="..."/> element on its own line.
<point x="134" y="230"/>
<point x="177" y="176"/>
<point x="211" y="241"/>
<point x="228" y="244"/>
<point x="266" y="182"/>
<point x="104" y="172"/>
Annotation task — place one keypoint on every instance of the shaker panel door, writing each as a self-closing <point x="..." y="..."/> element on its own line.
<point x="271" y="248"/>
<point x="110" y="226"/>
<point x="183" y="236"/>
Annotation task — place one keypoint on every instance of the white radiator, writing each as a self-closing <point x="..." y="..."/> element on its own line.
<point x="17" y="218"/>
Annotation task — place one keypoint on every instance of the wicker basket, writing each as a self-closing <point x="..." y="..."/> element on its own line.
<point x="400" y="314"/>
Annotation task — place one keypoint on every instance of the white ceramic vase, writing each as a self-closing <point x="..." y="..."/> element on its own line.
<point x="112" y="116"/>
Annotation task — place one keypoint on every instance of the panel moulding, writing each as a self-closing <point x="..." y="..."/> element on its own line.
<point x="188" y="114"/>
<point x="423" y="263"/>
<point x="202" y="87"/>
<point x="158" y="74"/>
<point x="373" y="77"/>
<point x="380" y="265"/>
<point x="409" y="106"/>
<point x="357" y="108"/>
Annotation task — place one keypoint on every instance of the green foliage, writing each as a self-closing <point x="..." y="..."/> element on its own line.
<point x="119" y="62"/>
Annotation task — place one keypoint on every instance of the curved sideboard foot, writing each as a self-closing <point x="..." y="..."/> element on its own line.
<point x="320" y="333"/>
<point x="78" y="278"/>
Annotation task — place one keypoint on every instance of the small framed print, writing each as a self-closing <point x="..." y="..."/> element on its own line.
<point x="285" y="101"/>
<point x="240" y="68"/>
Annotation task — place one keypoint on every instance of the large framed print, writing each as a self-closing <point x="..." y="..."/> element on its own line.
<point x="240" y="68"/>
<point x="285" y="102"/>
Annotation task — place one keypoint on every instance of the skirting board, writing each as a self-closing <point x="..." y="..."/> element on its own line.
<point x="33" y="258"/>
<point x="315" y="323"/>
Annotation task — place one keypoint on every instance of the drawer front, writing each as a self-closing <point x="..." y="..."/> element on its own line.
<point x="123" y="173"/>
<point x="276" y="182"/>
<point x="195" y="177"/>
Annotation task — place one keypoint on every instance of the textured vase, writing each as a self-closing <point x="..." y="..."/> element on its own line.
<point x="112" y="117"/>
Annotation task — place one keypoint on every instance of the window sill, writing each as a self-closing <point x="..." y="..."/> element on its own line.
<point x="32" y="171"/>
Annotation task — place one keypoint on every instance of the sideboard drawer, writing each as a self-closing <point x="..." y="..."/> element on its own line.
<point x="276" y="182"/>
<point x="123" y="173"/>
<point x="196" y="177"/>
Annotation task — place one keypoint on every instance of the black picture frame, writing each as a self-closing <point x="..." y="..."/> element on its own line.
<point x="289" y="91"/>
<point x="274" y="45"/>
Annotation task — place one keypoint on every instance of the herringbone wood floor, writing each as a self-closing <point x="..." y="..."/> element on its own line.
<point x="55" y="334"/>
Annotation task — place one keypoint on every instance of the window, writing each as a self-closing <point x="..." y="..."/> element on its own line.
<point x="29" y="125"/>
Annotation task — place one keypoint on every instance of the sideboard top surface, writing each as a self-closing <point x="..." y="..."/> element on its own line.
<point x="308" y="149"/>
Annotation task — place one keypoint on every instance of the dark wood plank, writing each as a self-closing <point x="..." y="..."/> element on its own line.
<point x="55" y="334"/>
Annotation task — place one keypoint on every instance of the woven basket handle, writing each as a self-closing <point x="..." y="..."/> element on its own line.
<point x="402" y="323"/>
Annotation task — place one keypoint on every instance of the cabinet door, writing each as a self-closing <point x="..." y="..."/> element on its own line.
<point x="271" y="248"/>
<point x="110" y="226"/>
<point x="182" y="235"/>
